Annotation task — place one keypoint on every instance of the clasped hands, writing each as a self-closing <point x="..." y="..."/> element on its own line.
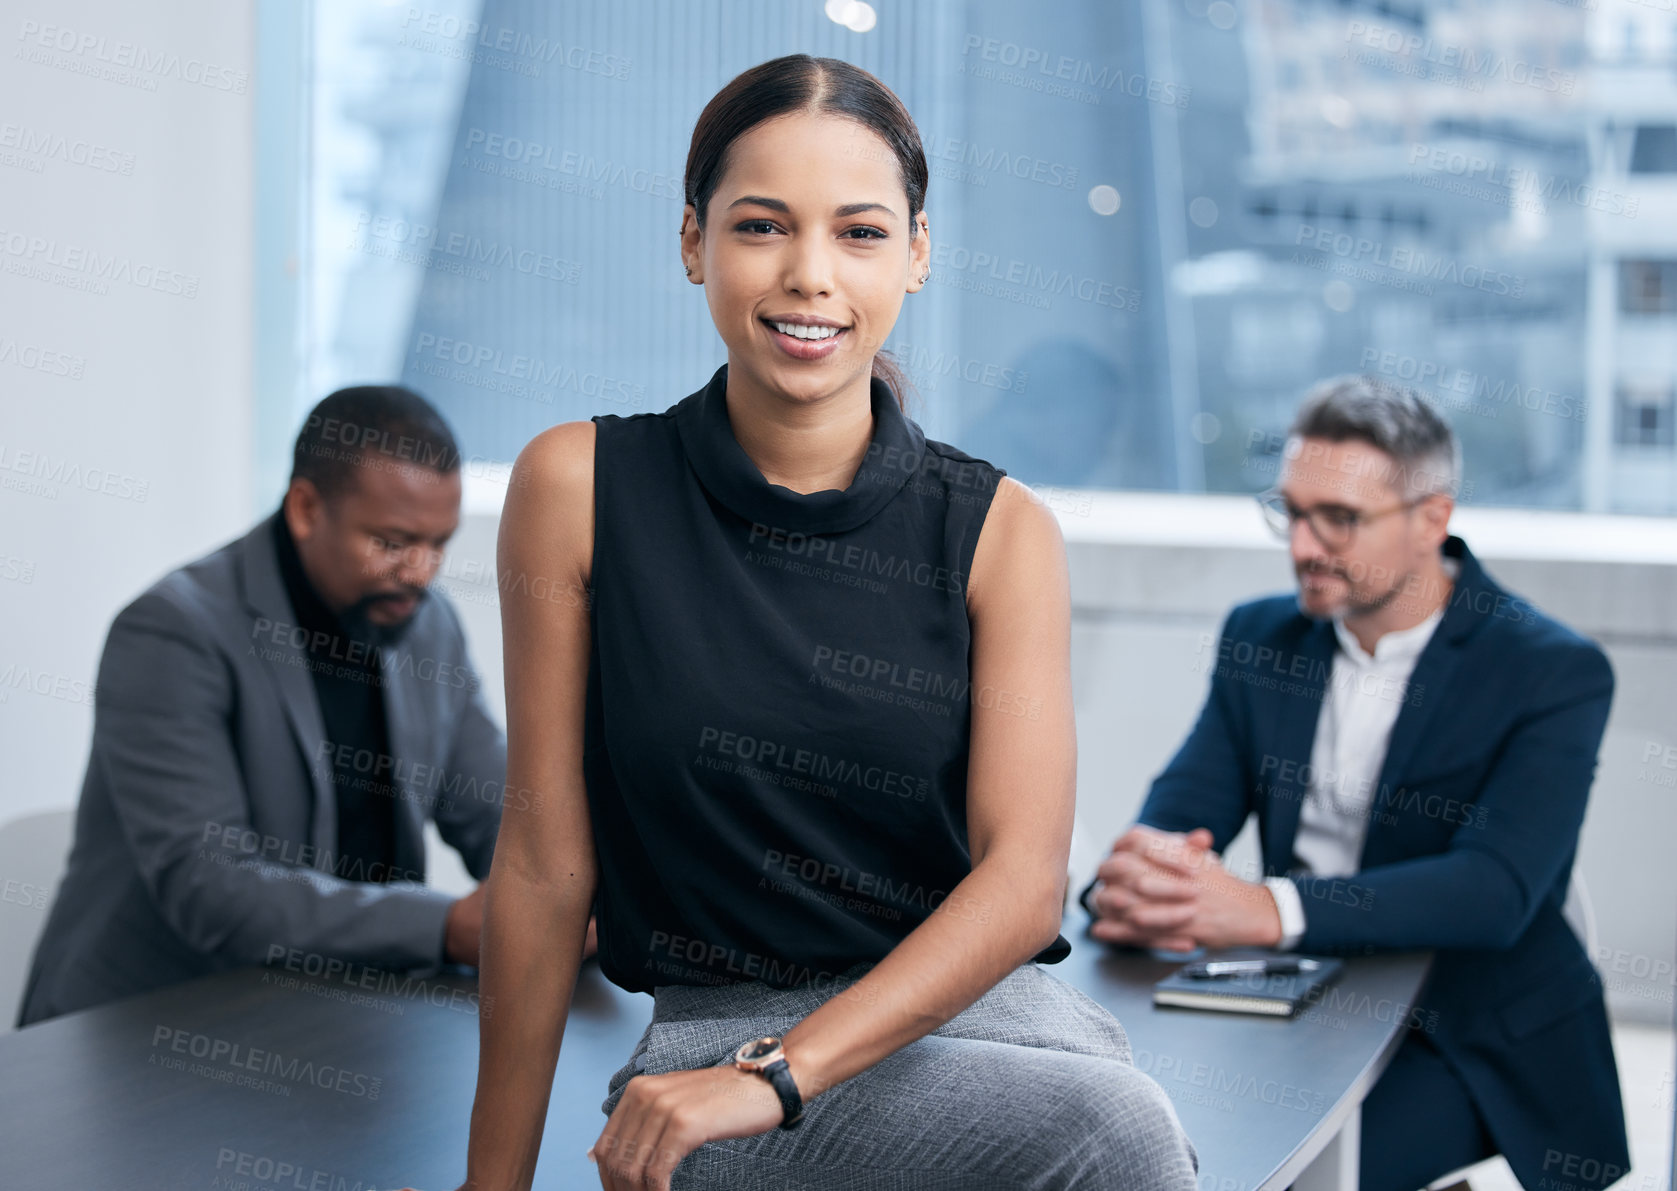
<point x="1169" y="890"/>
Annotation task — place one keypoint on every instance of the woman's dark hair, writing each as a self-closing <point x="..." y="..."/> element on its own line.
<point x="817" y="86"/>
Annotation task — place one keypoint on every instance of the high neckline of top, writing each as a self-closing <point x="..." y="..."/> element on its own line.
<point x="707" y="437"/>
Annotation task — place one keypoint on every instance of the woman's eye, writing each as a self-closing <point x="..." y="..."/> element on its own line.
<point x="752" y="226"/>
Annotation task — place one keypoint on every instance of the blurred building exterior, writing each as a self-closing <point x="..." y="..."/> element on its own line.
<point x="1154" y="224"/>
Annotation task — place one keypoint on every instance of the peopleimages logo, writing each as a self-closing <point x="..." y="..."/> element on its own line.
<point x="777" y="760"/>
<point x="537" y="157"/>
<point x="42" y="145"/>
<point x="34" y="358"/>
<point x="429" y="246"/>
<point x="528" y="49"/>
<point x="892" y="681"/>
<point x="927" y="362"/>
<point x="1037" y="69"/>
<point x="279" y="1174"/>
<point x="516" y="367"/>
<point x="334" y="970"/>
<point x="988" y="159"/>
<point x="1026" y="282"/>
<point x="783" y="868"/>
<point x="296" y="645"/>
<point x="1421" y="56"/>
<point x="81" y="267"/>
<point x="137" y="63"/>
<point x="701" y="961"/>
<point x="168" y="1041"/>
<point x="1495" y="394"/>
<point x="1415" y="262"/>
<point x="53" y="469"/>
<point x="864" y="560"/>
<point x="1514" y="183"/>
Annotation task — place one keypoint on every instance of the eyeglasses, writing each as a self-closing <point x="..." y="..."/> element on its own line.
<point x="1334" y="525"/>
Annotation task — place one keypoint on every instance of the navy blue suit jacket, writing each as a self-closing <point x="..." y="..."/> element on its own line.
<point x="1469" y="848"/>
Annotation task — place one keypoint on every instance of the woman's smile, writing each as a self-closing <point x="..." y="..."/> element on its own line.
<point x="805" y="342"/>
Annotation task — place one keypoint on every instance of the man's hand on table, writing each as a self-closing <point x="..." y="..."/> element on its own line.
<point x="1169" y="890"/>
<point x="463" y="929"/>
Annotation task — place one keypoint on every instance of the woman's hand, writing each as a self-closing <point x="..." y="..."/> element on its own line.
<point x="663" y="1118"/>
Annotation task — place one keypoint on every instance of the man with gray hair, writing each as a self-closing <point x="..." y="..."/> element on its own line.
<point x="1418" y="745"/>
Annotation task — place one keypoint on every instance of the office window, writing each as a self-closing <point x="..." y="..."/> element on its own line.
<point x="1645" y="413"/>
<point x="1160" y="221"/>
<point x="1654" y="149"/>
<point x="1648" y="286"/>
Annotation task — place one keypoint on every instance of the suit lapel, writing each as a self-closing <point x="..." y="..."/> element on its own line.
<point x="1295" y="734"/>
<point x="1429" y="687"/>
<point x="286" y="663"/>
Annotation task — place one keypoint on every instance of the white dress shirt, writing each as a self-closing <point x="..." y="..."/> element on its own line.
<point x="1365" y="693"/>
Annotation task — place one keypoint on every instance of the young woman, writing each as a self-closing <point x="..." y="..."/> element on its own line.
<point x="803" y="732"/>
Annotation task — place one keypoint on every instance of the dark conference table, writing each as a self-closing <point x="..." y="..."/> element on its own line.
<point x="210" y="1083"/>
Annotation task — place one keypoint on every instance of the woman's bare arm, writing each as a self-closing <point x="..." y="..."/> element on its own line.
<point x="1021" y="794"/>
<point x="541" y="883"/>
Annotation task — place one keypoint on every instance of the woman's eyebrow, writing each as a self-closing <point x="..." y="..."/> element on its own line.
<point x="775" y="204"/>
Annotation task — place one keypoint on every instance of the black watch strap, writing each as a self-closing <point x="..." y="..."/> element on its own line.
<point x="1083" y="898"/>
<point x="779" y="1075"/>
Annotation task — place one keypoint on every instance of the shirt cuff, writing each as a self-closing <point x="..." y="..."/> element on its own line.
<point x="1083" y="897"/>
<point x="1291" y="908"/>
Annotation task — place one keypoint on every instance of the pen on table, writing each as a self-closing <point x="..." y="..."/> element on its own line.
<point x="1280" y="965"/>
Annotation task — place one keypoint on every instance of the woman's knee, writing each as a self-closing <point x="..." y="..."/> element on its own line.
<point x="1126" y="1126"/>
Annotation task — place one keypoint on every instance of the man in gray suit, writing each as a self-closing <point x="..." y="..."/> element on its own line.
<point x="274" y="723"/>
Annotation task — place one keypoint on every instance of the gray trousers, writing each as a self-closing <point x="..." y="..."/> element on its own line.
<point x="1031" y="1086"/>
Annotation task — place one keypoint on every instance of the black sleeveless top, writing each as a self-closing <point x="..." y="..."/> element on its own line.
<point x="777" y="719"/>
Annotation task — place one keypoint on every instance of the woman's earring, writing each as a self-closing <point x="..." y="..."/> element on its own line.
<point x="925" y="277"/>
<point x="689" y="269"/>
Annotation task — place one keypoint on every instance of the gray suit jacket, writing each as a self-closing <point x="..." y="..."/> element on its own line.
<point x="206" y="835"/>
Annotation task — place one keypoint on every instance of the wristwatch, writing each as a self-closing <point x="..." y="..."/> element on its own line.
<point x="765" y="1057"/>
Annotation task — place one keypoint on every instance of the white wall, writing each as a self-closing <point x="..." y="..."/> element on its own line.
<point x="140" y="455"/>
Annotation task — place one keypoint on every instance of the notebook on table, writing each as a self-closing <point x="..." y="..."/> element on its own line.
<point x="1271" y="994"/>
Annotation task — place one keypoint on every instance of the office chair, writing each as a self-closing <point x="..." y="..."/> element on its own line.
<point x="34" y="850"/>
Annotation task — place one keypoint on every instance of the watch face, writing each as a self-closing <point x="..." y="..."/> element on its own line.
<point x="757" y="1049"/>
